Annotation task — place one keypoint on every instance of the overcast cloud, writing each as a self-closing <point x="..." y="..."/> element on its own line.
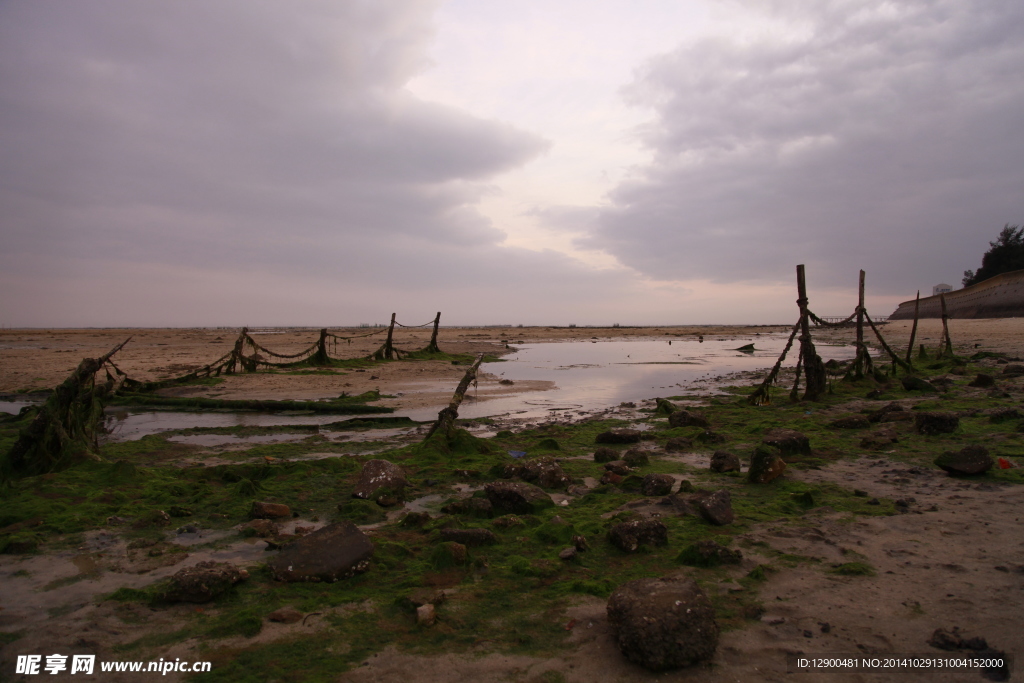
<point x="883" y="136"/>
<point x="328" y="162"/>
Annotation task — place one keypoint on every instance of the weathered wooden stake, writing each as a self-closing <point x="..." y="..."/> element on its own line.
<point x="389" y="351"/>
<point x="814" y="369"/>
<point x="861" y="350"/>
<point x="432" y="346"/>
<point x="948" y="350"/>
<point x="236" y="353"/>
<point x="913" y="330"/>
<point x="446" y="418"/>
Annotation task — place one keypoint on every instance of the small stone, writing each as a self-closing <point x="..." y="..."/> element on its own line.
<point x="285" y="615"/>
<point x="261" y="510"/>
<point x="687" y="418"/>
<point x="657" y="485"/>
<point x="879" y="439"/>
<point x="580" y="543"/>
<point x="179" y="511"/>
<point x="469" y="537"/>
<point x="715" y="507"/>
<point x="968" y="461"/>
<point x="788" y="441"/>
<point x="426" y="615"/>
<point x="936" y="423"/>
<point x="724" y="461"/>
<point x="765" y="465"/>
<point x="618" y="467"/>
<point x="567" y="554"/>
<point x="917" y="384"/>
<point x="380" y="478"/>
<point x="517" y="497"/>
<point x="611" y="478"/>
<point x="808" y="634"/>
<point x="983" y="381"/>
<point x="850" y="422"/>
<point x="678" y="444"/>
<point x="415" y="519"/>
<point x="619" y="436"/>
<point x="629" y="536"/>
<point x="203" y="582"/>
<point x="605" y="454"/>
<point x="634" y="457"/>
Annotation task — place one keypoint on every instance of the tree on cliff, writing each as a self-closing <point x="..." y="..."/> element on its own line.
<point x="1005" y="254"/>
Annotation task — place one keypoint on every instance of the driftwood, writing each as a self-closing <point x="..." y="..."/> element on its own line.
<point x="67" y="425"/>
<point x="446" y="418"/>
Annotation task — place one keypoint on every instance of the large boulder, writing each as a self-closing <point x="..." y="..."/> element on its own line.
<point x="629" y="536"/>
<point x="605" y="454"/>
<point x="967" y="461"/>
<point x="336" y="551"/>
<point x="380" y="478"/>
<point x="203" y="582"/>
<point x="765" y="465"/>
<point x="664" y="407"/>
<point x="517" y="497"/>
<point x="788" y="441"/>
<point x="724" y="461"/>
<point x="715" y="507"/>
<point x="619" y="436"/>
<point x="687" y="418"/>
<point x="657" y="485"/>
<point x="663" y="623"/>
<point x="936" y="423"/>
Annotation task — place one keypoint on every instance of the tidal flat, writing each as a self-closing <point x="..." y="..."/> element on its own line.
<point x="862" y="546"/>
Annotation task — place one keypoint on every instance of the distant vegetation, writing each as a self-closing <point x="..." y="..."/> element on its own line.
<point x="1004" y="255"/>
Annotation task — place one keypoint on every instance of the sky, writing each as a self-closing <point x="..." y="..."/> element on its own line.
<point x="640" y="162"/>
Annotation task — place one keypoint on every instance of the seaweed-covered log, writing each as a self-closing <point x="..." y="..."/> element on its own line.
<point x="446" y="418"/>
<point x="67" y="425"/>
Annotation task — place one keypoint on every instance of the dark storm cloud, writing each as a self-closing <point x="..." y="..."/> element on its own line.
<point x="883" y="136"/>
<point x="244" y="132"/>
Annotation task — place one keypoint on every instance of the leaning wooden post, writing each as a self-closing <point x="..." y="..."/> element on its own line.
<point x="948" y="351"/>
<point x="389" y="352"/>
<point x="913" y="330"/>
<point x="446" y="418"/>
<point x="432" y="346"/>
<point x="814" y="369"/>
<point x="861" y="352"/>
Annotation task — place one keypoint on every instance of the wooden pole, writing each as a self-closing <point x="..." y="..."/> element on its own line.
<point x="388" y="350"/>
<point x="913" y="330"/>
<point x="814" y="369"/>
<point x="861" y="351"/>
<point x="948" y="351"/>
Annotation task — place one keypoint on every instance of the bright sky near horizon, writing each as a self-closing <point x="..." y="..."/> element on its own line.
<point x="326" y="162"/>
